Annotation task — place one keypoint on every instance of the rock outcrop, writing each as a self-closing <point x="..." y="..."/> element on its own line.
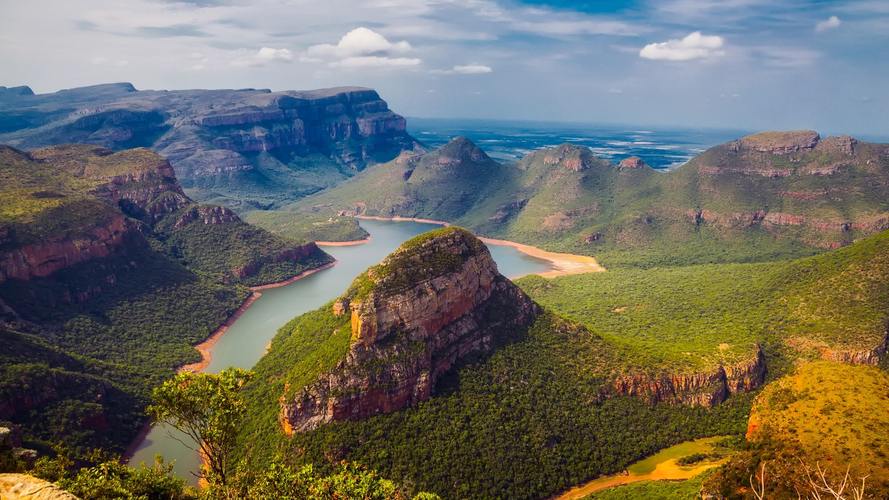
<point x="25" y="487"/>
<point x="437" y="301"/>
<point x="779" y="143"/>
<point x="42" y="259"/>
<point x="699" y="389"/>
<point x="631" y="163"/>
<point x="574" y="158"/>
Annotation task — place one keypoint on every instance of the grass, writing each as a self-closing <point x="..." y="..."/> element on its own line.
<point x="704" y="445"/>
<point x="824" y="414"/>
<point x="690" y="489"/>
<point x="837" y="414"/>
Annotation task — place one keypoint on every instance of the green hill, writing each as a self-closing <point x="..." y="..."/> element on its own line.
<point x="763" y="197"/>
<point x="109" y="274"/>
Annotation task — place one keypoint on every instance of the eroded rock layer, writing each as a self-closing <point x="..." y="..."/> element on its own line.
<point x="435" y="302"/>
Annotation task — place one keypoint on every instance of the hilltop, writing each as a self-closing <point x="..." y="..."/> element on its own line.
<point x="763" y="197"/>
<point x="109" y="273"/>
<point x="242" y="148"/>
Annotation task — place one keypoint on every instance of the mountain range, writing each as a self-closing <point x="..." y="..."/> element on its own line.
<point x="761" y="197"/>
<point x="243" y="148"/>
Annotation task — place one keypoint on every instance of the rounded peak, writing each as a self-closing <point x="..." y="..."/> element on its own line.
<point x="421" y="258"/>
<point x="778" y="142"/>
<point x="461" y="149"/>
<point x="570" y="156"/>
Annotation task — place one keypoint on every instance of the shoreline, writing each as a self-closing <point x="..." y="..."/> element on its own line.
<point x="564" y="264"/>
<point x="349" y="243"/>
<point x="206" y="346"/>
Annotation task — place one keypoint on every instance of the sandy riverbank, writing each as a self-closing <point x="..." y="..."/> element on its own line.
<point x="563" y="263"/>
<point x="665" y="471"/>
<point x="350" y="243"/>
<point x="205" y="347"/>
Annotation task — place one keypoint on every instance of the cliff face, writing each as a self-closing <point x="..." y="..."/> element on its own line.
<point x="233" y="141"/>
<point x="436" y="301"/>
<point x="42" y="259"/>
<point x="700" y="389"/>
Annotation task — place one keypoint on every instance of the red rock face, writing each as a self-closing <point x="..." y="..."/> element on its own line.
<point x="403" y="342"/>
<point x="699" y="389"/>
<point x="43" y="259"/>
<point x="632" y="162"/>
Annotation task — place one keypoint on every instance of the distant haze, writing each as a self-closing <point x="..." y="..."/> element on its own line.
<point x="743" y="64"/>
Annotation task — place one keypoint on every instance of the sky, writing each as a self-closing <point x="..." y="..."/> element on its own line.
<point x="740" y="64"/>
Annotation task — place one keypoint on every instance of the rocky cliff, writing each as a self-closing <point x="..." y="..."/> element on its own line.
<point x="698" y="389"/>
<point x="437" y="301"/>
<point x="244" y="144"/>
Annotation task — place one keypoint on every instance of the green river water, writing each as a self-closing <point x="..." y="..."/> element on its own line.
<point x="245" y="341"/>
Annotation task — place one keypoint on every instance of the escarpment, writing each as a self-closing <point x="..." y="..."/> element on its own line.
<point x="707" y="388"/>
<point x="435" y="302"/>
<point x="240" y="144"/>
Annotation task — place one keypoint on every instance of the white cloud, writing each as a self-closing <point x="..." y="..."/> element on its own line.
<point x="828" y="24"/>
<point x="465" y="69"/>
<point x="270" y="54"/>
<point x="359" y="42"/>
<point x="693" y="46"/>
<point x="362" y="48"/>
<point x="244" y="58"/>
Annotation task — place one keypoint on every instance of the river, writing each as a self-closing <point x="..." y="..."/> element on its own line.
<point x="246" y="339"/>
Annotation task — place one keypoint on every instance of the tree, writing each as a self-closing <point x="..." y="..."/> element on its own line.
<point x="209" y="410"/>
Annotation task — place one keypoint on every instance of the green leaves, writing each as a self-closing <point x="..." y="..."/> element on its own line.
<point x="208" y="409"/>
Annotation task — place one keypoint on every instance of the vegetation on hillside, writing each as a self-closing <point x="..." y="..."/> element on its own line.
<point x="828" y="416"/>
<point x="544" y="388"/>
<point x="304" y="227"/>
<point x="701" y="316"/>
<point x="92" y="339"/>
<point x="710" y="210"/>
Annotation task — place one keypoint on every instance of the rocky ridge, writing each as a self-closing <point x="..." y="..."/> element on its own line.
<point x="698" y="389"/>
<point x="437" y="301"/>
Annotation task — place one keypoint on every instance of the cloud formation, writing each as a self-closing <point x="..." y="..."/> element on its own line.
<point x="270" y="54"/>
<point x="464" y="69"/>
<point x="828" y="24"/>
<point x="362" y="48"/>
<point x="693" y="46"/>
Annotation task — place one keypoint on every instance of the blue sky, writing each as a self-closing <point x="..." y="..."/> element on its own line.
<point x="751" y="64"/>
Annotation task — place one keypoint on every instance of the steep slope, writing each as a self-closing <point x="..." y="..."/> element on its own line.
<point x="437" y="301"/>
<point x="762" y="197"/>
<point x="236" y="146"/>
<point x="108" y="275"/>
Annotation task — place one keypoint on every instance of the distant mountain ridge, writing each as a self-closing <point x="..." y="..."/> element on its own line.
<point x="764" y="196"/>
<point x="252" y="146"/>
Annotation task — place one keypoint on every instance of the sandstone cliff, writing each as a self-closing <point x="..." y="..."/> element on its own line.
<point x="437" y="301"/>
<point x="698" y="389"/>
